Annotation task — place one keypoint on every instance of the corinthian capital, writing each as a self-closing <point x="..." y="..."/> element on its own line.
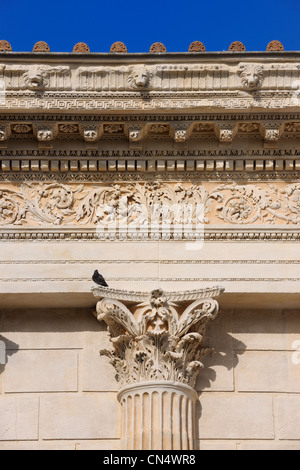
<point x="158" y="336"/>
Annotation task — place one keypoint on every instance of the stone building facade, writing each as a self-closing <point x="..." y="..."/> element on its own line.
<point x="177" y="177"/>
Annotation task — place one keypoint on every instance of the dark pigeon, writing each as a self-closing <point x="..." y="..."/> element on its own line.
<point x="99" y="279"/>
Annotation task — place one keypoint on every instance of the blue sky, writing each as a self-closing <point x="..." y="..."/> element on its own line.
<point x="139" y="23"/>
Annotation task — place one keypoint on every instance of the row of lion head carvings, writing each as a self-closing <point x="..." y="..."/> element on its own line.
<point x="139" y="77"/>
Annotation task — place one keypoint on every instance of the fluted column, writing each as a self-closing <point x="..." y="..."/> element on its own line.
<point x="157" y="346"/>
<point x="158" y="416"/>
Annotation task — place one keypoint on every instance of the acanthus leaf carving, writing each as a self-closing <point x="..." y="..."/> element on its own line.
<point x="143" y="206"/>
<point x="155" y="342"/>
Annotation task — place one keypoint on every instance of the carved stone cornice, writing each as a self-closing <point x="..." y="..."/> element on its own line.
<point x="212" y="82"/>
<point x="146" y="130"/>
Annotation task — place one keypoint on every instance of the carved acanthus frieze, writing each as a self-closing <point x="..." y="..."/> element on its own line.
<point x="151" y="209"/>
<point x="158" y="338"/>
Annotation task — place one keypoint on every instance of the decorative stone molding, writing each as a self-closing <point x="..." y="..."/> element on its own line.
<point x="275" y="46"/>
<point x="90" y="132"/>
<point x="225" y="132"/>
<point x="197" y="46"/>
<point x="158" y="47"/>
<point x="41" y="46"/>
<point x="45" y="132"/>
<point x="208" y="84"/>
<point x="237" y="46"/>
<point x="149" y="209"/>
<point x="157" y="349"/>
<point x="81" y="47"/>
<point x="5" y="132"/>
<point x="5" y="46"/>
<point x="35" y="77"/>
<point x="180" y="132"/>
<point x="118" y="47"/>
<point x="135" y="135"/>
<point x="271" y="131"/>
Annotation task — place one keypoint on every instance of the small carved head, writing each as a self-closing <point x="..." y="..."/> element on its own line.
<point x="35" y="78"/>
<point x="180" y="135"/>
<point x="226" y="135"/>
<point x="139" y="77"/>
<point x="251" y="76"/>
<point x="90" y="135"/>
<point x="134" y="135"/>
<point x="45" y="134"/>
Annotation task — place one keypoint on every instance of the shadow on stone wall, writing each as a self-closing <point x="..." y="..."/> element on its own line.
<point x="217" y="374"/>
<point x="7" y="349"/>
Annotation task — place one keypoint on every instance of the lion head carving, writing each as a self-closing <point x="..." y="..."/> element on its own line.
<point x="251" y="76"/>
<point x="35" y="78"/>
<point x="139" y="77"/>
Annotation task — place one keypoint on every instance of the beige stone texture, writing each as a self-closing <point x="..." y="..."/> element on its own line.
<point x="217" y="445"/>
<point x="86" y="416"/>
<point x="104" y="444"/>
<point x="38" y="445"/>
<point x="42" y="371"/>
<point x="214" y="121"/>
<point x="54" y="268"/>
<point x="269" y="445"/>
<point x="263" y="330"/>
<point x="239" y="416"/>
<point x="19" y="418"/>
<point x="287" y="409"/>
<point x="217" y="374"/>
<point x="266" y="329"/>
<point x="46" y="329"/>
<point x="267" y="371"/>
<point x="97" y="374"/>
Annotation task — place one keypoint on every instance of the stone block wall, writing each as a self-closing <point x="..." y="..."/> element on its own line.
<point x="56" y="392"/>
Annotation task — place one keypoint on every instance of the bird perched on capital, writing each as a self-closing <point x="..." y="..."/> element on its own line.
<point x="99" y="279"/>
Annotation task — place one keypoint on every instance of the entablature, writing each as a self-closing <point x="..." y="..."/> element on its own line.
<point x="149" y="82"/>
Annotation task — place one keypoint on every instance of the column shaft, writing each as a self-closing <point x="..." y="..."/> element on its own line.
<point x="158" y="415"/>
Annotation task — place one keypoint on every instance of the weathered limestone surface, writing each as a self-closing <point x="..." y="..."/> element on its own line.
<point x="19" y="417"/>
<point x="259" y="414"/>
<point x="205" y="146"/>
<point x="80" y="417"/>
<point x="38" y="371"/>
<point x="236" y="417"/>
